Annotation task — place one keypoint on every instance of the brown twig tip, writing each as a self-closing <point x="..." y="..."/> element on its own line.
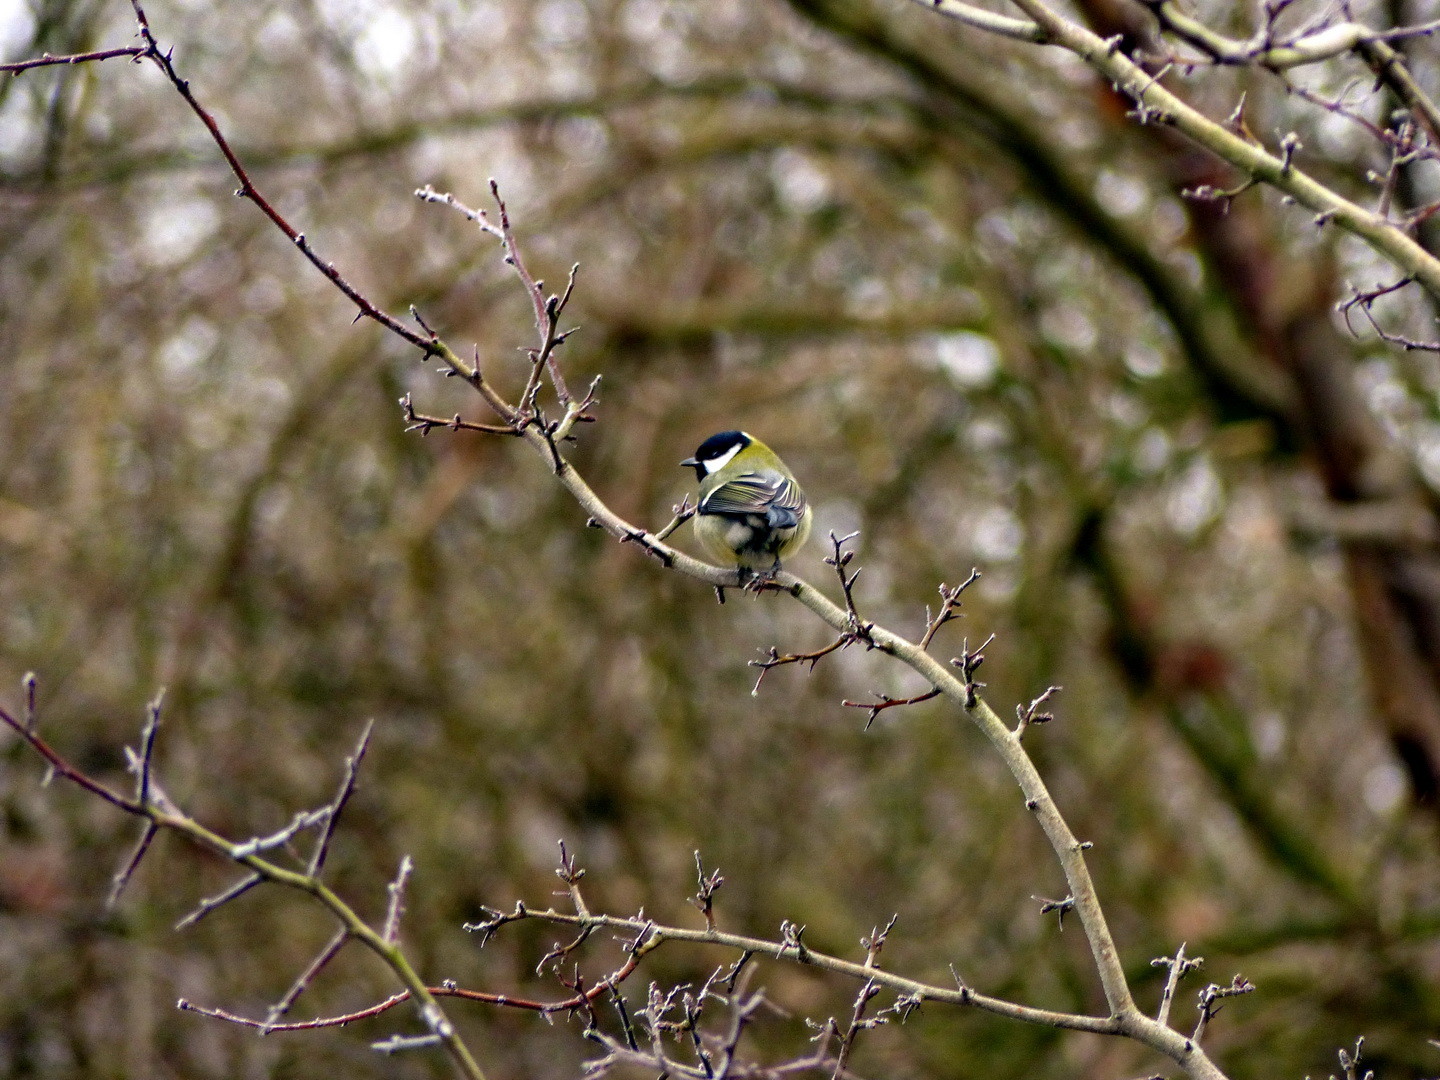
<point x="1211" y="999"/>
<point x="774" y="659"/>
<point x="134" y="52"/>
<point x="415" y="314"/>
<point x="949" y="608"/>
<point x="425" y="424"/>
<point x="859" y="629"/>
<point x="709" y="885"/>
<point x="875" y="708"/>
<point x="791" y="935"/>
<point x="683" y="513"/>
<point x="1060" y="907"/>
<point x="240" y="888"/>
<point x="493" y="920"/>
<point x="302" y="983"/>
<point x="1028" y="714"/>
<point x="125" y="873"/>
<point x="1364" y="300"/>
<point x="1179" y="966"/>
<point x="147" y="748"/>
<point x="570" y="872"/>
<point x="1225" y="196"/>
<point x="876" y="941"/>
<point x="342" y="796"/>
<point x="969" y="662"/>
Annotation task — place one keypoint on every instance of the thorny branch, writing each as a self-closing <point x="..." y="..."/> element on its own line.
<point x="1060" y="907"/>
<point x="949" y="608"/>
<point x="1365" y="300"/>
<point x="710" y="884"/>
<point x="1211" y="999"/>
<point x="649" y="935"/>
<point x="855" y="629"/>
<point x="159" y="814"/>
<point x="1029" y="714"/>
<point x="545" y="436"/>
<point x="1137" y="76"/>
<point x="1178" y="967"/>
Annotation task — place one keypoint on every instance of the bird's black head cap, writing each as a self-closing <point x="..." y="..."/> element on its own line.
<point x="716" y="446"/>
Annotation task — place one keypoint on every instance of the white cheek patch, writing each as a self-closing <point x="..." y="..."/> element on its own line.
<point x="715" y="464"/>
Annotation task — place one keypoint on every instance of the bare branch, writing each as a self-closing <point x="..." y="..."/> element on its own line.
<point x="1027" y="714"/>
<point x="46" y="60"/>
<point x="123" y="875"/>
<point x="240" y="888"/>
<point x="875" y="708"/>
<point x="710" y="884"/>
<point x="1211" y="999"/>
<point x="1179" y="966"/>
<point x="342" y="796"/>
<point x="396" y="906"/>
<point x="301" y="984"/>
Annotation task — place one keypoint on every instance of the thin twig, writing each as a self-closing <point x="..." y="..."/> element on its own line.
<point x="396" y="906"/>
<point x="240" y="888"/>
<point x="1179" y="966"/>
<point x="337" y="804"/>
<point x="47" y="60"/>
<point x="301" y="984"/>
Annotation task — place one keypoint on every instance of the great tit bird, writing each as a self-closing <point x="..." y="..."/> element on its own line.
<point x="751" y="513"/>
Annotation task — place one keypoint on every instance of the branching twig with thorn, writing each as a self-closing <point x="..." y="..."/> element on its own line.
<point x="949" y="608"/>
<point x="1364" y="300"/>
<point x="969" y="662"/>
<point x="1178" y="967"/>
<point x="1028" y="714"/>
<point x="875" y="708"/>
<point x="704" y="898"/>
<point x="774" y="658"/>
<point x="160" y="814"/>
<point x="1211" y="999"/>
<point x="1060" y="907"/>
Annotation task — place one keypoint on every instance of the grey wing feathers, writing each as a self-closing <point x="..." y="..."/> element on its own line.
<point x="778" y="498"/>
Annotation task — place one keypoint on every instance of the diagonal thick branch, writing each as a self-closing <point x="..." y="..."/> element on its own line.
<point x="1158" y="105"/>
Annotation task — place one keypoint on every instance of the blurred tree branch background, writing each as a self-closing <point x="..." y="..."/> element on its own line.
<point x="964" y="296"/>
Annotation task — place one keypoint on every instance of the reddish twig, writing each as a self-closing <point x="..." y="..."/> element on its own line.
<point x="164" y="60"/>
<point x="135" y="52"/>
<point x="63" y="769"/>
<point x="877" y="707"/>
<point x="548" y="309"/>
<point x="425" y="424"/>
<point x="949" y="608"/>
<point x="1028" y="714"/>
<point x="774" y="659"/>
<point x="301" y="984"/>
<point x="1365" y="300"/>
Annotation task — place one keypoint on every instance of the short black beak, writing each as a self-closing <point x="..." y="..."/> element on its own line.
<point x="690" y="463"/>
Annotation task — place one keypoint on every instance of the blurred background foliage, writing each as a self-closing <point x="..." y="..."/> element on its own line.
<point x="961" y="294"/>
